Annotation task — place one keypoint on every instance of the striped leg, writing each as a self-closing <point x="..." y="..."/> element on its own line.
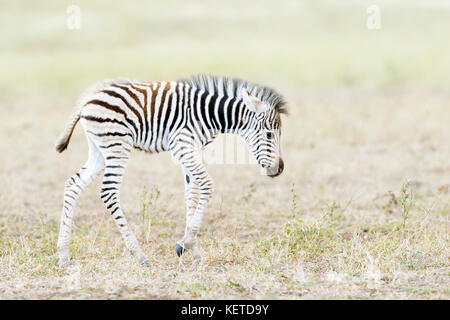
<point x="191" y="197"/>
<point x="73" y="189"/>
<point x="198" y="191"/>
<point x="116" y="158"/>
<point x="206" y="187"/>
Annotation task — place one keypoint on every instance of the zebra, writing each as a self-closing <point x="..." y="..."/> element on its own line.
<point x="181" y="117"/>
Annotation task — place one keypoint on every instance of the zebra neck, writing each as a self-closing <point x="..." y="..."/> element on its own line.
<point x="230" y="114"/>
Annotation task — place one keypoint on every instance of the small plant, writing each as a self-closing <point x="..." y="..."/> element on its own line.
<point x="148" y="200"/>
<point x="251" y="191"/>
<point x="294" y="207"/>
<point x="328" y="215"/>
<point x="300" y="239"/>
<point x="406" y="201"/>
<point x="330" y="209"/>
<point x="235" y="285"/>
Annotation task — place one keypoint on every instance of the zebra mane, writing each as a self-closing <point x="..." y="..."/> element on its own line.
<point x="232" y="87"/>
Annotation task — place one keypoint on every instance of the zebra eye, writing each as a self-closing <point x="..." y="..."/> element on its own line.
<point x="269" y="135"/>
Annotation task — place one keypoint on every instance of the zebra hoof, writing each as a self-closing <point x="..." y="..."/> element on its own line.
<point x="180" y="250"/>
<point x="145" y="263"/>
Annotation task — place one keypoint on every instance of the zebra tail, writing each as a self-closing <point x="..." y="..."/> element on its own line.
<point x="64" y="138"/>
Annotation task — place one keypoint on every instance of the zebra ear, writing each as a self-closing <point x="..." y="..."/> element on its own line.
<point x="253" y="103"/>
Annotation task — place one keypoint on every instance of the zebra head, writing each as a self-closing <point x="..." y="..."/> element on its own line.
<point x="263" y="134"/>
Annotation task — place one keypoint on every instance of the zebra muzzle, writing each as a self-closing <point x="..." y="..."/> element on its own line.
<point x="277" y="169"/>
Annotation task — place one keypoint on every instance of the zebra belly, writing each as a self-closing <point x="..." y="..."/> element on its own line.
<point x="153" y="144"/>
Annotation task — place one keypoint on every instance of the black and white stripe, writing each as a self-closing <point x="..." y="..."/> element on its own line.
<point x="181" y="117"/>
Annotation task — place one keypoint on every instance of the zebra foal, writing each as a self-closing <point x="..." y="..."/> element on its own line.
<point x="181" y="117"/>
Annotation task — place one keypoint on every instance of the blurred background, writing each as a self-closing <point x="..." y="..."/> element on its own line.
<point x="369" y="111"/>
<point x="287" y="44"/>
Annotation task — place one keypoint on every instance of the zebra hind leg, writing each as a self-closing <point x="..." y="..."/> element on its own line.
<point x="73" y="189"/>
<point x="116" y="160"/>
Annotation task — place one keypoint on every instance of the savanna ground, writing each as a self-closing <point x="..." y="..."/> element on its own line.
<point x="361" y="210"/>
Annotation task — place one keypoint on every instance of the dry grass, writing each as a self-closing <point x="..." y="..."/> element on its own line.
<point x="341" y="222"/>
<point x="361" y="210"/>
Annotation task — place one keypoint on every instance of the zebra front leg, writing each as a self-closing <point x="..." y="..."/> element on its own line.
<point x="200" y="194"/>
<point x="110" y="194"/>
<point x="206" y="187"/>
<point x="191" y="197"/>
<point x="73" y="189"/>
